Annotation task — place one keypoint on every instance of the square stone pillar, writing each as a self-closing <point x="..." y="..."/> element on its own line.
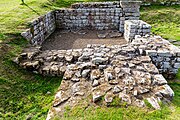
<point x="130" y="12"/>
<point x="135" y="27"/>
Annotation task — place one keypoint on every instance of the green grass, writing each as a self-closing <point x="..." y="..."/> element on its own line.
<point x="115" y="113"/>
<point x="23" y="93"/>
<point x="165" y="20"/>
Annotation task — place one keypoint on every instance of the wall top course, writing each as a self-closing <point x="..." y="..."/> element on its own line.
<point x="96" y="5"/>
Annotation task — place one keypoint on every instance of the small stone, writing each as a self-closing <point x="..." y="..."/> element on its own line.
<point x="99" y="60"/>
<point x="89" y="45"/>
<point x="108" y="97"/>
<point x="32" y="65"/>
<point x="139" y="103"/>
<point x="120" y="75"/>
<point x="102" y="34"/>
<point x="85" y="56"/>
<point x="177" y="65"/>
<point x="109" y="73"/>
<point x="102" y="67"/>
<point x="54" y="70"/>
<point x="97" y="96"/>
<point x="24" y="55"/>
<point x="78" y="74"/>
<point x="108" y="76"/>
<point x="16" y="60"/>
<point x="98" y="54"/>
<point x="77" y="87"/>
<point x="166" y="65"/>
<point x="126" y="70"/>
<point x="164" y="53"/>
<point x="128" y="80"/>
<point x="146" y="59"/>
<point x="60" y="97"/>
<point x="113" y="82"/>
<point x="140" y="68"/>
<point x="143" y="90"/>
<point x="48" y="93"/>
<point x="72" y="67"/>
<point x="95" y="83"/>
<point x="135" y="93"/>
<point x="117" y="70"/>
<point x="151" y="52"/>
<point x="95" y="74"/>
<point x="166" y="91"/>
<point x="68" y="75"/>
<point x="75" y="79"/>
<point x="117" y="89"/>
<point x="153" y="101"/>
<point x="159" y="80"/>
<point x="68" y="58"/>
<point x="87" y="65"/>
<point x="62" y="70"/>
<point x="131" y="65"/>
<point x="125" y="98"/>
<point x="85" y="73"/>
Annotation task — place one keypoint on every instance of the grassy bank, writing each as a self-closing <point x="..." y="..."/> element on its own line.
<point x="165" y="20"/>
<point x="24" y="94"/>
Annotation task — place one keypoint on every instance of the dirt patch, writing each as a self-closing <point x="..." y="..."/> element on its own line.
<point x="79" y="39"/>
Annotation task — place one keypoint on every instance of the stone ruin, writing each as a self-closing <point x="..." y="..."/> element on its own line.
<point x="134" y="72"/>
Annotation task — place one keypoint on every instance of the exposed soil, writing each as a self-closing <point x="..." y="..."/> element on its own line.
<point x="79" y="39"/>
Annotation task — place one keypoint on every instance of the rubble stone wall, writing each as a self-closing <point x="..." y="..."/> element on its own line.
<point x="164" y="55"/>
<point x="40" y="29"/>
<point x="114" y="71"/>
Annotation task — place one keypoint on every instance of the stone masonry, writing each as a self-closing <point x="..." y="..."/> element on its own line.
<point x="40" y="29"/>
<point x="135" y="27"/>
<point x="91" y="15"/>
<point x="163" y="54"/>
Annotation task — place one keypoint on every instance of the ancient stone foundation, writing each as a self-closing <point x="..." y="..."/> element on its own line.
<point x="134" y="72"/>
<point x="116" y="71"/>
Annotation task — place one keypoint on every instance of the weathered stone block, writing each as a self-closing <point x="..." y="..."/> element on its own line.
<point x="177" y="65"/>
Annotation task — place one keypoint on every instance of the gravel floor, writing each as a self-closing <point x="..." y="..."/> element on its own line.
<point x="79" y="39"/>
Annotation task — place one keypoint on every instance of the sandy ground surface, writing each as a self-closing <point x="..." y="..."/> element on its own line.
<point x="75" y="40"/>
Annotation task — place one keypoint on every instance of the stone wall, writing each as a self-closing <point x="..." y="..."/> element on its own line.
<point x="91" y="15"/>
<point x="130" y="12"/>
<point x="40" y="29"/>
<point x="98" y="15"/>
<point x="89" y="18"/>
<point x="164" y="55"/>
<point x="135" y="27"/>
